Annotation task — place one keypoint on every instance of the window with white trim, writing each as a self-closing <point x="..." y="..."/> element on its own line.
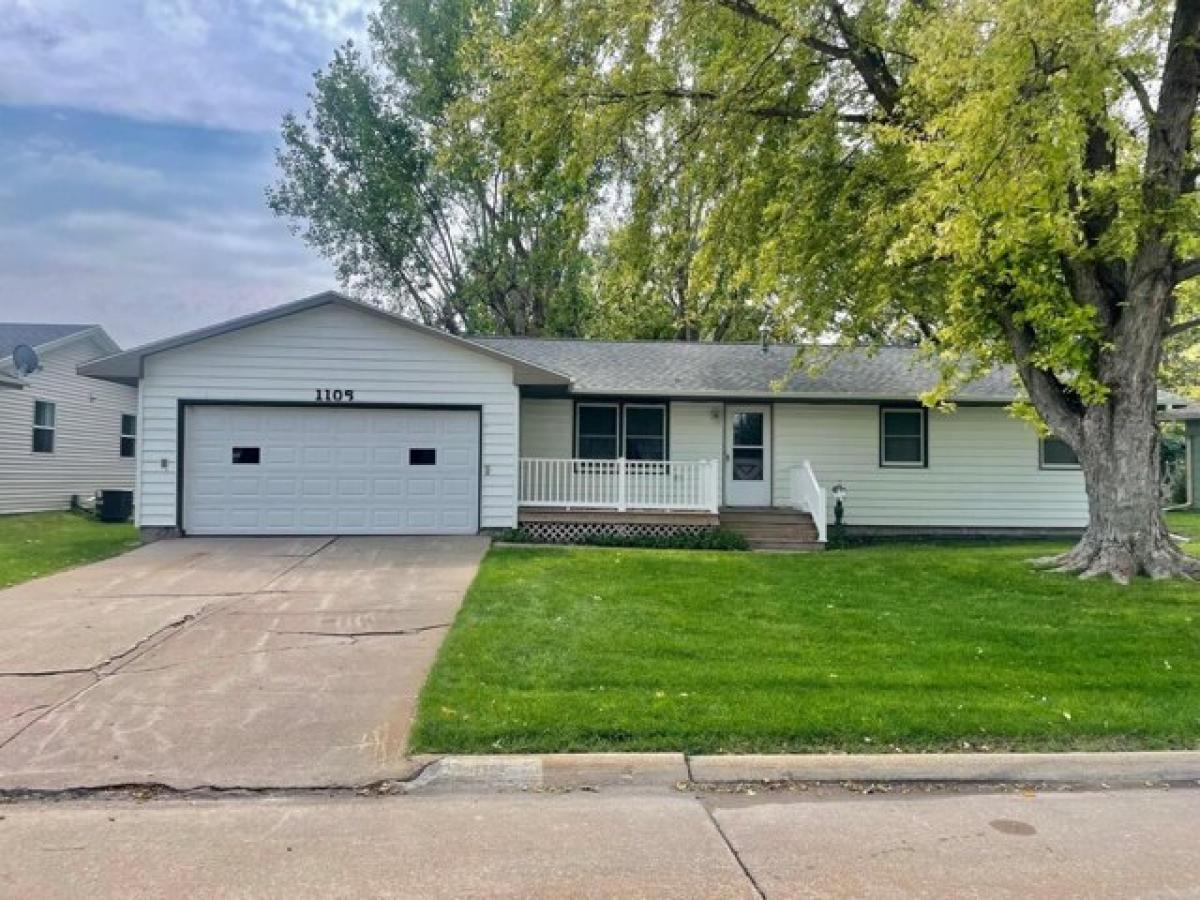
<point x="645" y="431"/>
<point x="128" y="434"/>
<point x="1055" y="453"/>
<point x="902" y="437"/>
<point x="43" y="426"/>
<point x="597" y="430"/>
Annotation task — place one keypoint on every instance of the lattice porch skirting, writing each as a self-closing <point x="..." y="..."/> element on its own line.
<point x="572" y="527"/>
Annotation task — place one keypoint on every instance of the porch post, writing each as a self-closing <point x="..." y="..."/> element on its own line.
<point x="621" y="494"/>
<point x="714" y="485"/>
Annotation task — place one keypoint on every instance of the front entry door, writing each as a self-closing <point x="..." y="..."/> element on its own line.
<point x="748" y="456"/>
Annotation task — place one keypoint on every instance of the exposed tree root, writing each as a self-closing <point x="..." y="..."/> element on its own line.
<point x="1155" y="555"/>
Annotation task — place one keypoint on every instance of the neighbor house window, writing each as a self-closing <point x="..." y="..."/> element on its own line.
<point x="1057" y="454"/>
<point x="43" y="427"/>
<point x="645" y="431"/>
<point x="128" y="434"/>
<point x="597" y="431"/>
<point x="902" y="437"/>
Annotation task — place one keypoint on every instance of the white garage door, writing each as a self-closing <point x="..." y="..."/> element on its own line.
<point x="330" y="470"/>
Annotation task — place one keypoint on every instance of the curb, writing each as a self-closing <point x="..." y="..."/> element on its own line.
<point x="1110" y="768"/>
<point x="550" y="772"/>
<point x="592" y="771"/>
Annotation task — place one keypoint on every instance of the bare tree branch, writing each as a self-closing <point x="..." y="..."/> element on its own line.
<point x="766" y="111"/>
<point x="1139" y="89"/>
<point x="1047" y="392"/>
<point x="748" y="10"/>
<point x="1181" y="327"/>
<point x="1188" y="268"/>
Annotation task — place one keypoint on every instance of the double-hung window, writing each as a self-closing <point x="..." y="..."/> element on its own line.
<point x="645" y="431"/>
<point x="902" y="437"/>
<point x="597" y="430"/>
<point x="1055" y="453"/>
<point x="636" y="431"/>
<point x="128" y="434"/>
<point x="43" y="426"/>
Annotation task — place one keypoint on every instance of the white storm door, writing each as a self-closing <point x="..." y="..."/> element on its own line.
<point x="747" y="455"/>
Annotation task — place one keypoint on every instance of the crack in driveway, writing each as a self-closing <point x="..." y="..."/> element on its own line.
<point x="395" y="632"/>
<point x="112" y="665"/>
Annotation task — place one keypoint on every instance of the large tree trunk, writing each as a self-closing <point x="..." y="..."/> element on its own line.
<point x="1118" y="445"/>
<point x="1126" y="535"/>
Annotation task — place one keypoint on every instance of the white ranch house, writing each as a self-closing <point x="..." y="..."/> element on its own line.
<point x="327" y="416"/>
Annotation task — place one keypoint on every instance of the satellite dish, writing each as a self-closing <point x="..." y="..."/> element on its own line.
<point x="25" y="360"/>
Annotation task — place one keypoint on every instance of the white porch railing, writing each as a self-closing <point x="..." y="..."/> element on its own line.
<point x="621" y="484"/>
<point x="808" y="496"/>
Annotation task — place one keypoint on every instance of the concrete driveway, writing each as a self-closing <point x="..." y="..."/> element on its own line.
<point x="231" y="662"/>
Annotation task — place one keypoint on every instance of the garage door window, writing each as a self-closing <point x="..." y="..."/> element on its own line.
<point x="246" y="456"/>
<point x="422" y="456"/>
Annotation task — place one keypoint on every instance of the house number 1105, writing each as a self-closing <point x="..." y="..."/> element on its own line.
<point x="334" y="395"/>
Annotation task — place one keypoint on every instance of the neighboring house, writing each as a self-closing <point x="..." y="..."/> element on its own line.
<point x="62" y="435"/>
<point x="1189" y="415"/>
<point x="326" y="416"/>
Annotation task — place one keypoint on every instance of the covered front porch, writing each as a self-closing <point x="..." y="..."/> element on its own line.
<point x="571" y="499"/>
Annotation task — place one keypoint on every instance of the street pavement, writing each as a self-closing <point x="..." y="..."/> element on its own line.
<point x="652" y="843"/>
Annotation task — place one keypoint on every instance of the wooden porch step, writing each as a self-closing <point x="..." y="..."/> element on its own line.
<point x="761" y="512"/>
<point x="773" y="528"/>
<point x="787" y="546"/>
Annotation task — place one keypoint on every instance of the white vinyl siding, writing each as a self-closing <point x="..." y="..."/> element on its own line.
<point x="982" y="469"/>
<point x="290" y="358"/>
<point x="87" y="416"/>
<point x="696" y="430"/>
<point x="546" y="428"/>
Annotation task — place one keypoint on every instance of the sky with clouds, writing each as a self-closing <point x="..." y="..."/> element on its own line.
<point x="136" y="140"/>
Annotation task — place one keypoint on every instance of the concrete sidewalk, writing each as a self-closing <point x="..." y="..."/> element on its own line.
<point x="625" y="844"/>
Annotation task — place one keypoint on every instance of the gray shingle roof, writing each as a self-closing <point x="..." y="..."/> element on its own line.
<point x="667" y="368"/>
<point x="33" y="333"/>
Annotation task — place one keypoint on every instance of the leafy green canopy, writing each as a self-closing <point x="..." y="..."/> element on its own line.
<point x="973" y="173"/>
<point x="410" y="197"/>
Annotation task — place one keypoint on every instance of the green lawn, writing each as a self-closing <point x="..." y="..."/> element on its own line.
<point x="40" y="543"/>
<point x="913" y="647"/>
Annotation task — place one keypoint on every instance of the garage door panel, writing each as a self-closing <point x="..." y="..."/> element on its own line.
<point x="352" y="487"/>
<point x="352" y="456"/>
<point x="330" y="470"/>
<point x="281" y="487"/>
<point x="317" y="456"/>
<point x="455" y="487"/>
<point x="422" y="487"/>
<point x="280" y="518"/>
<point x="284" y="456"/>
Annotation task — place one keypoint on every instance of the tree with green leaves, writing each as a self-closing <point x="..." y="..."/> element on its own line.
<point x="1011" y="180"/>
<point x="412" y="200"/>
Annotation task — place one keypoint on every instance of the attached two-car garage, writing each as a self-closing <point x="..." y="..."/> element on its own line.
<point x="252" y="469"/>
<point x="324" y="416"/>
